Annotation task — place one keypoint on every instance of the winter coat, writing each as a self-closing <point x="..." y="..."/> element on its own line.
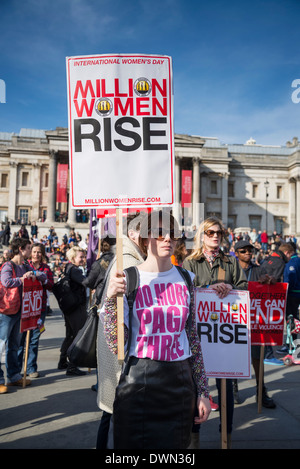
<point x="224" y="269"/>
<point x="109" y="368"/>
<point x="291" y="275"/>
<point x="96" y="276"/>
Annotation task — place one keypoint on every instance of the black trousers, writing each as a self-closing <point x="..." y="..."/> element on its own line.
<point x="73" y="322"/>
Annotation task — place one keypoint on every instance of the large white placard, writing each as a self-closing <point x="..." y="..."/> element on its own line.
<point x="225" y="334"/>
<point x="121" y="140"/>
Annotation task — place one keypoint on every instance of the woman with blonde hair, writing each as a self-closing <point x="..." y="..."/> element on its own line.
<point x="220" y="272"/>
<point x="74" y="320"/>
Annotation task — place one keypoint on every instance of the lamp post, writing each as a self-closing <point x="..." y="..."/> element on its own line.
<point x="266" y="184"/>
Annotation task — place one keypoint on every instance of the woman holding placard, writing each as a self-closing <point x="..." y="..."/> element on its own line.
<point x="38" y="262"/>
<point x="155" y="398"/>
<point x="220" y="272"/>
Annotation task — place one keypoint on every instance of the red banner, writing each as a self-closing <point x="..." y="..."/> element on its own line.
<point x="31" y="304"/>
<point x="61" y="183"/>
<point x="267" y="307"/>
<point x="186" y="187"/>
<point x="111" y="212"/>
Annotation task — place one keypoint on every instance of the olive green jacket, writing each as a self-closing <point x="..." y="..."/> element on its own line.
<point x="224" y="269"/>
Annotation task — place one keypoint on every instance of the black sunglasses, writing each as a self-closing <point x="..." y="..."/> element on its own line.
<point x="161" y="233"/>
<point x="243" y="251"/>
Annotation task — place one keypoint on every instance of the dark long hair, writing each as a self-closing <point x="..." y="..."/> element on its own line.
<point x="154" y="220"/>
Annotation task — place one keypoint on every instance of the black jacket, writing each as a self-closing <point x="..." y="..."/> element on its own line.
<point x="96" y="276"/>
<point x="76" y="281"/>
<point x="253" y="272"/>
<point x="274" y="265"/>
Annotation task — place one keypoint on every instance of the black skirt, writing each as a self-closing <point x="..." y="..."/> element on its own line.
<point x="154" y="405"/>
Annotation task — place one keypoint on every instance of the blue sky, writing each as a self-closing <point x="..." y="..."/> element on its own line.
<point x="233" y="61"/>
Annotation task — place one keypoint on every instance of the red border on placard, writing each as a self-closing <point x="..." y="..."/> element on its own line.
<point x="91" y="57"/>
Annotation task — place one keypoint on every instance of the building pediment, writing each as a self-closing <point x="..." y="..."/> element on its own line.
<point x="188" y="141"/>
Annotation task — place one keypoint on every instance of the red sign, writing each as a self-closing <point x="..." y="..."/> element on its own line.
<point x="267" y="309"/>
<point x="120" y="110"/>
<point x="186" y="187"/>
<point x="31" y="304"/>
<point x="62" y="181"/>
<point x="111" y="212"/>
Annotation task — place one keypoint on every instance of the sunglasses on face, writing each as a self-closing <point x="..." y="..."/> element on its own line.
<point x="161" y="233"/>
<point x="243" y="251"/>
<point x="211" y="233"/>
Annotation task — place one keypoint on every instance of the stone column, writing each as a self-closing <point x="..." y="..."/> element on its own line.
<point x="36" y="181"/>
<point x="225" y="198"/>
<point x="292" y="205"/>
<point x="52" y="187"/>
<point x="11" y="215"/>
<point x="297" y="208"/>
<point x="196" y="191"/>
<point x="71" y="215"/>
<point x="177" y="206"/>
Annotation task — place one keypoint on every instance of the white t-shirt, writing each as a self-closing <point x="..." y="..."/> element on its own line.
<point x="160" y="312"/>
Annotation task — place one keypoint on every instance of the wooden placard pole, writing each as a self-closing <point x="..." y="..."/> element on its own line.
<point x="223" y="415"/>
<point x="260" y="378"/>
<point x="120" y="302"/>
<point x="26" y="357"/>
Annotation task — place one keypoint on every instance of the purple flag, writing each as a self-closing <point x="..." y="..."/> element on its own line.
<point x="93" y="240"/>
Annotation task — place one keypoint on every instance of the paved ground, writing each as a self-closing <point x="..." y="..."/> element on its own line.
<point x="60" y="412"/>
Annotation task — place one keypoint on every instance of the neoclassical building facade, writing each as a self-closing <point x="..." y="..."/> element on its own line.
<point x="246" y="185"/>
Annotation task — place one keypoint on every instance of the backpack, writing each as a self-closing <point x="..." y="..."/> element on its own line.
<point x="132" y="281"/>
<point x="10" y="299"/>
<point x="67" y="299"/>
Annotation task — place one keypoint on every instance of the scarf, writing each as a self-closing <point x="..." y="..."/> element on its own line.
<point x="211" y="255"/>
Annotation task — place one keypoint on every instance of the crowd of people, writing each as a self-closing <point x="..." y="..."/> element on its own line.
<point x="159" y="253"/>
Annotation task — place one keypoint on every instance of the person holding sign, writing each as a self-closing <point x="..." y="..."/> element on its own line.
<point x="13" y="274"/>
<point x="244" y="251"/>
<point x="220" y="272"/>
<point x="155" y="398"/>
<point x="37" y="262"/>
<point x="109" y="367"/>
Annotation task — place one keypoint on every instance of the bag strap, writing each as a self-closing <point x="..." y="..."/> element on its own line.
<point x="98" y="298"/>
<point x="13" y="267"/>
<point x="188" y="281"/>
<point x="68" y="269"/>
<point x="132" y="281"/>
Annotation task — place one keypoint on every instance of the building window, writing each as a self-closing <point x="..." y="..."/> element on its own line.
<point x="230" y="189"/>
<point x="24" y="215"/>
<point x="3" y="215"/>
<point x="213" y="187"/>
<point x="25" y="179"/>
<point x="46" y="180"/>
<point x="279" y="192"/>
<point x="231" y="222"/>
<point x="255" y="222"/>
<point x="4" y="180"/>
<point x="254" y="190"/>
<point x="279" y="224"/>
